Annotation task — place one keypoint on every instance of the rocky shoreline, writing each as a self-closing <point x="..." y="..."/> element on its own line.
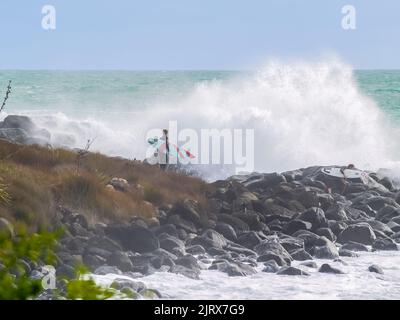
<point x="269" y="219"/>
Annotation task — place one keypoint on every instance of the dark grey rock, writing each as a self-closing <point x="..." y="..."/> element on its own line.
<point x="249" y="239"/>
<point x="296" y="225"/>
<point x="301" y="255"/>
<point x="375" y="268"/>
<point x="316" y="217"/>
<point x="361" y="233"/>
<point x="347" y="253"/>
<point x="354" y="246"/>
<point x="309" y="264"/>
<point x="226" y="230"/>
<point x="327" y="268"/>
<point x="384" y="244"/>
<point x="120" y="260"/>
<point x="292" y="271"/>
<point x="133" y="237"/>
<point x="195" y="250"/>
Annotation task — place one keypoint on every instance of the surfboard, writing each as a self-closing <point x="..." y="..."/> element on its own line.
<point x="348" y="173"/>
<point x="174" y="151"/>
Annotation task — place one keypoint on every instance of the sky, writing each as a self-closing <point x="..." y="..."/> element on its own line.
<point x="195" y="34"/>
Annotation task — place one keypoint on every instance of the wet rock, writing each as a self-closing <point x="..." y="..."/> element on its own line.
<point x="361" y="233"/>
<point x="308" y="237"/>
<point x="182" y="223"/>
<point x="274" y="248"/>
<point x="310" y="264"/>
<point x="93" y="261"/>
<point x="237" y="224"/>
<point x="270" y="267"/>
<point x="292" y="271"/>
<point x="395" y="227"/>
<point x="264" y="181"/>
<point x="347" y="253"/>
<point x="375" y="268"/>
<point x="188" y="261"/>
<point x="327" y="268"/>
<point x="326" y="232"/>
<point x="336" y="212"/>
<point x="301" y="255"/>
<point x="336" y="227"/>
<point x="188" y="210"/>
<point x="291" y="244"/>
<point x="195" y="250"/>
<point x="316" y="217"/>
<point x="209" y="238"/>
<point x="104" y="270"/>
<point x="169" y="242"/>
<point x="120" y="260"/>
<point x="296" y="225"/>
<point x="354" y="246"/>
<point x="133" y="237"/>
<point x="384" y="244"/>
<point x="280" y="261"/>
<point x="387" y="213"/>
<point x="166" y="228"/>
<point x="249" y="239"/>
<point x="325" y="249"/>
<point x="226" y="230"/>
<point x="233" y="269"/>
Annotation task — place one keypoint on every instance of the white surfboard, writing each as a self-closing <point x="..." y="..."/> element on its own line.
<point x="348" y="173"/>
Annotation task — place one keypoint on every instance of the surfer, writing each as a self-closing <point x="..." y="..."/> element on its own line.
<point x="344" y="180"/>
<point x="163" y="151"/>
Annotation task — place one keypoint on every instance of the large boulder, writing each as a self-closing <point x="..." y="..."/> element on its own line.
<point x="209" y="239"/>
<point x="354" y="246"/>
<point x="384" y="244"/>
<point x="263" y="181"/>
<point x="325" y="249"/>
<point x="226" y="230"/>
<point x="169" y="242"/>
<point x="133" y="237"/>
<point x="296" y="225"/>
<point x="188" y="210"/>
<point x="120" y="260"/>
<point x="327" y="268"/>
<point x="182" y="223"/>
<point x="249" y="239"/>
<point x="292" y="271"/>
<point x="237" y="224"/>
<point x="316" y="217"/>
<point x="268" y="247"/>
<point x="361" y="233"/>
<point x="233" y="269"/>
<point x="387" y="213"/>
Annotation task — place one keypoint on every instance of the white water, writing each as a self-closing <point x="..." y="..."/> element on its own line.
<point x="357" y="283"/>
<point x="303" y="114"/>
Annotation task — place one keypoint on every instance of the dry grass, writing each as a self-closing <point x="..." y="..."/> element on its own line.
<point x="38" y="179"/>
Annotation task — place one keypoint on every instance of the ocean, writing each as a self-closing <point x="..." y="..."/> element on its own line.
<point x="302" y="114"/>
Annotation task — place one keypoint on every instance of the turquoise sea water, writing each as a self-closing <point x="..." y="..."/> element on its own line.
<point x="113" y="91"/>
